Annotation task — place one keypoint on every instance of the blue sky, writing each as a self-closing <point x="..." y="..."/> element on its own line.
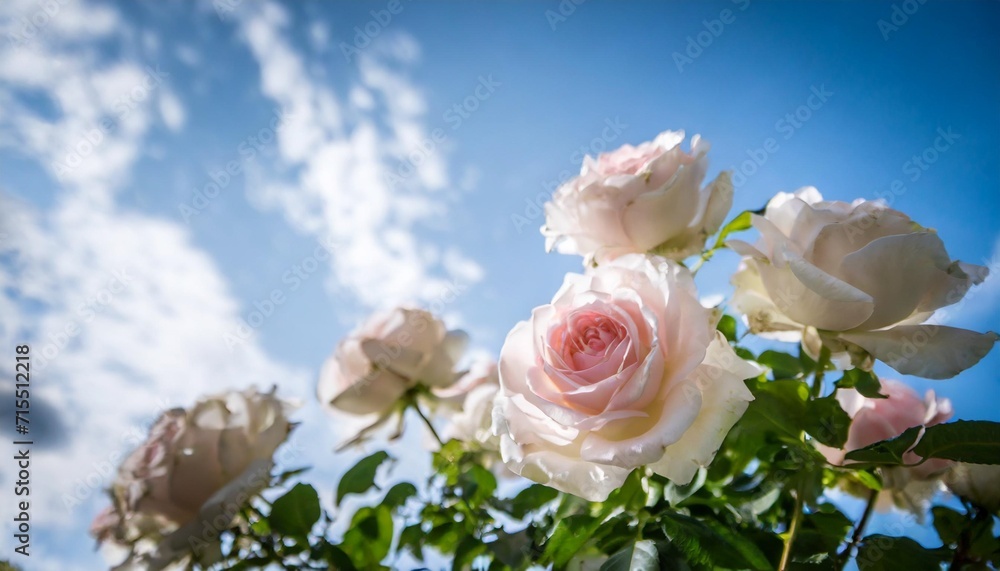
<point x="183" y="90"/>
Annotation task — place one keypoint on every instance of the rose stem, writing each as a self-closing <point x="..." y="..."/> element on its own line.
<point x="859" y="529"/>
<point x="427" y="421"/>
<point x="793" y="528"/>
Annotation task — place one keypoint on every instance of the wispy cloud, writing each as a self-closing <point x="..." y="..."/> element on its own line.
<point x="351" y="165"/>
<point x="122" y="311"/>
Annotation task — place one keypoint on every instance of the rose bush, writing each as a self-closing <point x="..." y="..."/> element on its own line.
<point x="860" y="278"/>
<point x="623" y="369"/>
<point x="387" y="355"/>
<point x="196" y="469"/>
<point x="636" y="199"/>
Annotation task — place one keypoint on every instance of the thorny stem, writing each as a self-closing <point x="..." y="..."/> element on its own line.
<point x="859" y="529"/>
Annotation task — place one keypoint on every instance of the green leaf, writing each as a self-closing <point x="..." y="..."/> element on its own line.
<point x="398" y="494"/>
<point x="948" y="523"/>
<point x="466" y="552"/>
<point x="360" y="478"/>
<point x="827" y="422"/>
<point x="822" y="532"/>
<point x="513" y="549"/>
<point x="369" y="537"/>
<point x="296" y="512"/>
<point x="751" y="554"/>
<point x="445" y="537"/>
<point x="887" y="451"/>
<point x="412" y="538"/>
<point x="530" y="499"/>
<point x="864" y="382"/>
<point x="569" y="535"/>
<point x="885" y="553"/>
<point x="782" y="365"/>
<point x="639" y="556"/>
<point x="704" y="545"/>
<point x="336" y="557"/>
<point x="478" y="484"/>
<point x="289" y="474"/>
<point x="972" y="441"/>
<point x="743" y="221"/>
<point x="779" y="406"/>
<point x="727" y="325"/>
<point x="867" y="479"/>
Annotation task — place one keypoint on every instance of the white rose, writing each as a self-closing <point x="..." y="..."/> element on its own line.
<point x="388" y="355"/>
<point x="860" y="278"/>
<point x="194" y="472"/>
<point x="473" y="414"/>
<point x="977" y="482"/>
<point x="623" y="369"/>
<point x="636" y="199"/>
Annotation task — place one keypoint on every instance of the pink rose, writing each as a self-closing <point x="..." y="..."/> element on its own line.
<point x="875" y="420"/>
<point x="389" y="354"/>
<point x="636" y="199"/>
<point x="623" y="369"/>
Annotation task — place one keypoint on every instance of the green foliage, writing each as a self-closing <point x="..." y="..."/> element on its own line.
<point x="735" y="513"/>
<point x="639" y="556"/>
<point x="782" y="365"/>
<point x="399" y="494"/>
<point x="296" y="512"/>
<point x="742" y="221"/>
<point x="887" y="451"/>
<point x="973" y="441"/>
<point x="885" y="553"/>
<point x="865" y="382"/>
<point x="727" y="326"/>
<point x="531" y="499"/>
<point x="360" y="478"/>
<point x="827" y="422"/>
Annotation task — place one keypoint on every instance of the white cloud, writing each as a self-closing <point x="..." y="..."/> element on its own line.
<point x="172" y="110"/>
<point x="124" y="315"/>
<point x="355" y="165"/>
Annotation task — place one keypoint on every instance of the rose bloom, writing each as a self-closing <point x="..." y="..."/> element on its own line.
<point x="623" y="369"/>
<point x="874" y="420"/>
<point x="470" y="406"/>
<point x="187" y="481"/>
<point x="860" y="278"/>
<point x="393" y="351"/>
<point x="977" y="482"/>
<point x="636" y="199"/>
